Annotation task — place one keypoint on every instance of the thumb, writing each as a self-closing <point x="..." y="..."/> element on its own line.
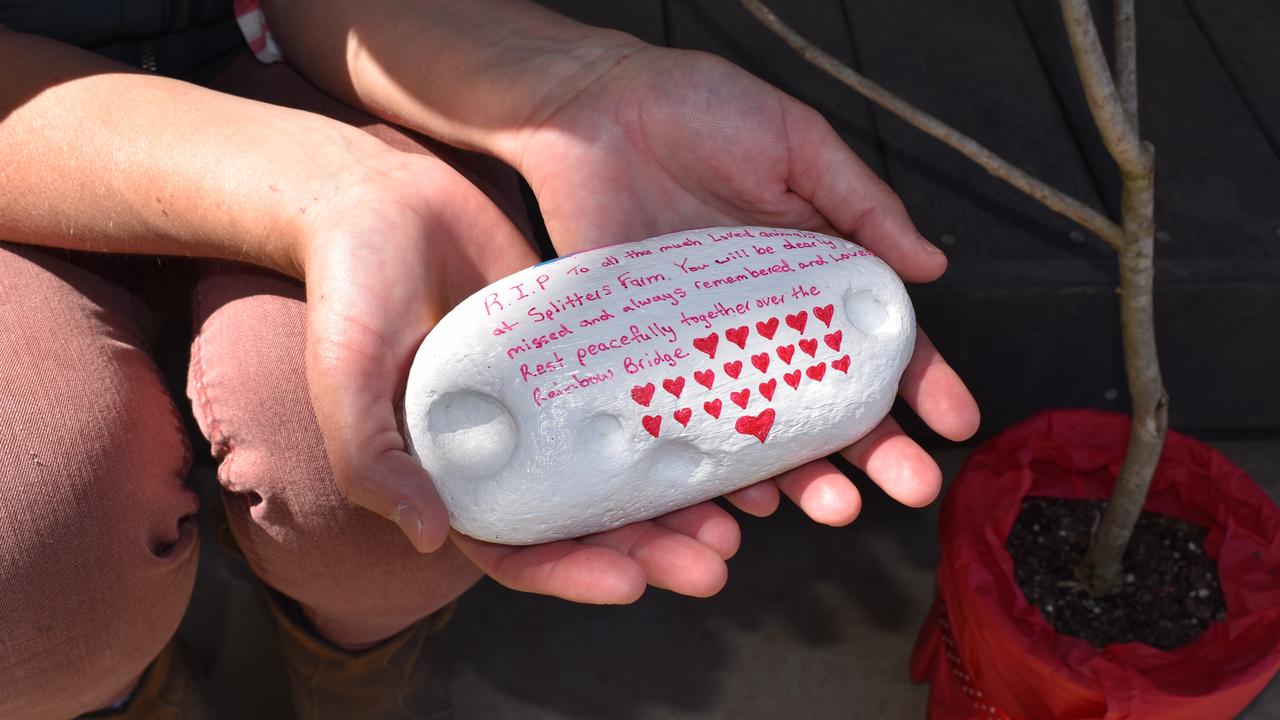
<point x="362" y="333"/>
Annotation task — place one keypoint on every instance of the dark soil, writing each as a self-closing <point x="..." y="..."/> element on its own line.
<point x="1170" y="592"/>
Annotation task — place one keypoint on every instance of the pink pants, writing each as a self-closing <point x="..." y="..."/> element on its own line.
<point x="97" y="542"/>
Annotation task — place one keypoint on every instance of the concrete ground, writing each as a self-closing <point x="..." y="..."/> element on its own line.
<point x="814" y="623"/>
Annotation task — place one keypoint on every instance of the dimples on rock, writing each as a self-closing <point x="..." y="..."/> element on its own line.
<point x="626" y="382"/>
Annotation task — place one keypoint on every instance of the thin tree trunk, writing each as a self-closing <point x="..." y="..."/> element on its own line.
<point x="1115" y="111"/>
<point x="1101" y="568"/>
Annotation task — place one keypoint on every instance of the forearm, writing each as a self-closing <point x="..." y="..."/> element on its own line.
<point x="99" y="157"/>
<point x="473" y="73"/>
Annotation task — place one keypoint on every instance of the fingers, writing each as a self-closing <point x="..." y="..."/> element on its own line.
<point x="894" y="461"/>
<point x="596" y="575"/>
<point x="897" y="464"/>
<point x="683" y="551"/>
<point x="822" y="492"/>
<point x="760" y="499"/>
<point x="614" y="567"/>
<point x="709" y="525"/>
<point x="670" y="559"/>
<point x="856" y="202"/>
<point x="937" y="394"/>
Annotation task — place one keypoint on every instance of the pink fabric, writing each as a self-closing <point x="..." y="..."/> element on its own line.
<point x="297" y="531"/>
<point x="97" y="549"/>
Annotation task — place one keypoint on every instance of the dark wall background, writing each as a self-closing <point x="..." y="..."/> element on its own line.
<point x="1027" y="312"/>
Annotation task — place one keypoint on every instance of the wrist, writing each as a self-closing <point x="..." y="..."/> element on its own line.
<point x="266" y="180"/>
<point x="550" y="76"/>
<point x="381" y="199"/>
<point x="472" y="74"/>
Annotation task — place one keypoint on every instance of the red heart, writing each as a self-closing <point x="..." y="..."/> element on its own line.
<point x="798" y="321"/>
<point x="833" y="339"/>
<point x="707" y="344"/>
<point x="733" y="368"/>
<point x="712" y="407"/>
<point x="767" y="329"/>
<point x="824" y="314"/>
<point x="817" y="371"/>
<point x="761" y="362"/>
<point x="757" y="426"/>
<point x="675" y="386"/>
<point x="842" y="364"/>
<point x="642" y="394"/>
<point x="793" y="379"/>
<point x="767" y="388"/>
<point x="738" y="336"/>
<point x="810" y="346"/>
<point x="740" y="398"/>
<point x="705" y="377"/>
<point x="652" y="423"/>
<point x="785" y="352"/>
<point x="682" y="416"/>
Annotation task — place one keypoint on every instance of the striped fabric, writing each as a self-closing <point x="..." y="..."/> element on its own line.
<point x="253" y="24"/>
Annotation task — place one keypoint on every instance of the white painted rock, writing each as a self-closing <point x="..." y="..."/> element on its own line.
<point x="622" y="383"/>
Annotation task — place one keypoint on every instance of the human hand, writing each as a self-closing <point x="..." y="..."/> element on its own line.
<point x="385" y="259"/>
<point x="666" y="140"/>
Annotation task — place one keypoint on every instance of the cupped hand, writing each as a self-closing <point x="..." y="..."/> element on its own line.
<point x="666" y="140"/>
<point x="386" y="257"/>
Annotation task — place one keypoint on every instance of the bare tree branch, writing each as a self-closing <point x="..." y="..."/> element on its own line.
<point x="1051" y="197"/>
<point x="1120" y="137"/>
<point x="1126" y="60"/>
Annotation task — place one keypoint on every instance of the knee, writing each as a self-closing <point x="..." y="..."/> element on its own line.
<point x="297" y="531"/>
<point x="97" y="546"/>
<point x="97" y="561"/>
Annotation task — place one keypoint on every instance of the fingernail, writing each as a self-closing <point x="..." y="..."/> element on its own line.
<point x="410" y="523"/>
<point x="930" y="246"/>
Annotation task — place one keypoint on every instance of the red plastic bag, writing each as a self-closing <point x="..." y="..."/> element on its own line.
<point x="988" y="653"/>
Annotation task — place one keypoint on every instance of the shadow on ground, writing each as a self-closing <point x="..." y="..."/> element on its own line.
<point x="815" y="622"/>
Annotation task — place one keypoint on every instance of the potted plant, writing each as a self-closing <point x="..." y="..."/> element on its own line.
<point x="1041" y="581"/>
